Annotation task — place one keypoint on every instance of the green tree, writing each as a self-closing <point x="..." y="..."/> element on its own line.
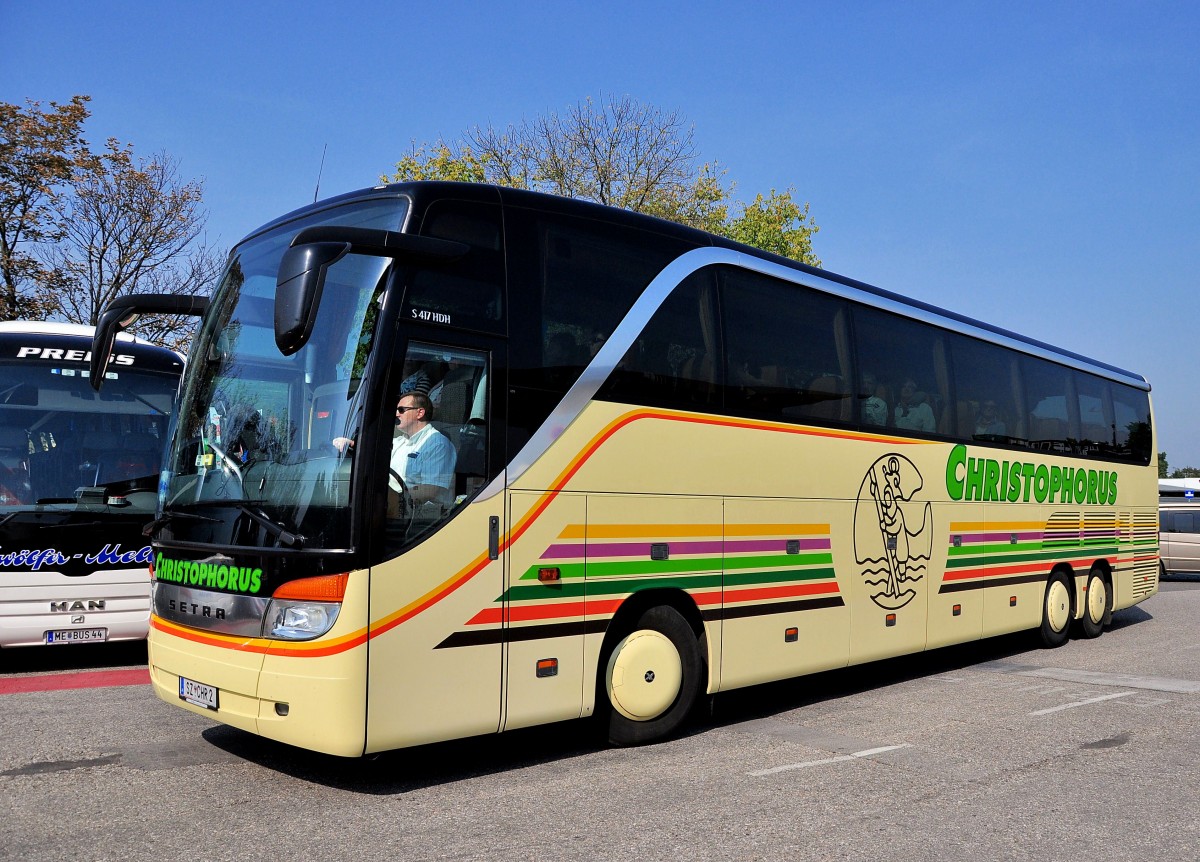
<point x="1186" y="473"/>
<point x="777" y="224"/>
<point x="1162" y="465"/>
<point x="40" y="151"/>
<point x="622" y="153"/>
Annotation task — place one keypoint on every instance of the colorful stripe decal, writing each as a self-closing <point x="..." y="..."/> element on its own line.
<point x="769" y="570"/>
<point x="988" y="554"/>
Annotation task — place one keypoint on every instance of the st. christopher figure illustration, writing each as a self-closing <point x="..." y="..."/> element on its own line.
<point x="893" y="536"/>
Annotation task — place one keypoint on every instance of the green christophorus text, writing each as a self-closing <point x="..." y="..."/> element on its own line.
<point x="1014" y="481"/>
<point x="241" y="579"/>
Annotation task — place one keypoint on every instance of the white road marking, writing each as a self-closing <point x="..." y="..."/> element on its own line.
<point x="840" y="759"/>
<point x="1082" y="702"/>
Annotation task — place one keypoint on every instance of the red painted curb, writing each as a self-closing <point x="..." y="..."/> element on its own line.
<point x="61" y="681"/>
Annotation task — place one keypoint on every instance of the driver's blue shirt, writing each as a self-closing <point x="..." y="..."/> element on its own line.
<point x="425" y="458"/>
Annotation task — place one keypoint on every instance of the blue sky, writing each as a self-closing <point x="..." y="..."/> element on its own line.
<point x="1035" y="165"/>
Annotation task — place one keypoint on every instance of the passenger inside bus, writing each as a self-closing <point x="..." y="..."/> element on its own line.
<point x="913" y="411"/>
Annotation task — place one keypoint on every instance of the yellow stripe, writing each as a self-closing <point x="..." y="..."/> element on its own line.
<point x="654" y="531"/>
<point x="984" y="526"/>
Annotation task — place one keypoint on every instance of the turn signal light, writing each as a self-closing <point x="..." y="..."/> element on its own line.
<point x="323" y="588"/>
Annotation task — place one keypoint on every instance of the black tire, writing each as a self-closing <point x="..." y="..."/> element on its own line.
<point x="638" y="712"/>
<point x="1058" y="609"/>
<point x="1097" y="604"/>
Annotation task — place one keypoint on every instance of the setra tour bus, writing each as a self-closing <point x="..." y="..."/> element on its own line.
<point x="79" y="475"/>
<point x="453" y="459"/>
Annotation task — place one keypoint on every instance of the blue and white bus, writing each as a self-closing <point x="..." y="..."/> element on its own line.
<point x="78" y="483"/>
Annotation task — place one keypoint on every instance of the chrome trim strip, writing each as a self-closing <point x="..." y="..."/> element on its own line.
<point x="623" y="337"/>
<point x="211" y="611"/>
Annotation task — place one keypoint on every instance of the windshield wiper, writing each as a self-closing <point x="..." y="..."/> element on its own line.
<point x="150" y="529"/>
<point x="278" y="531"/>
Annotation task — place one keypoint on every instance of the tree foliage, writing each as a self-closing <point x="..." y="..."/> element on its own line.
<point x="621" y="153"/>
<point x="78" y="228"/>
<point x="40" y="150"/>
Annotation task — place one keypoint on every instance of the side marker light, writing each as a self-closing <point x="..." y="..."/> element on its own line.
<point x="547" y="667"/>
<point x="790" y="636"/>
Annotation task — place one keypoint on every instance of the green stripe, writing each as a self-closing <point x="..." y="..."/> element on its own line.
<point x="997" y="559"/>
<point x="683" y="565"/>
<point x="617" y="586"/>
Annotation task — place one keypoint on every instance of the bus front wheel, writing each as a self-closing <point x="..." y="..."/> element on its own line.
<point x="1057" y="610"/>
<point x="652" y="678"/>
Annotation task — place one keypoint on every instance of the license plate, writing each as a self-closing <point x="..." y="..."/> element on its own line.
<point x="75" y="636"/>
<point x="198" y="693"/>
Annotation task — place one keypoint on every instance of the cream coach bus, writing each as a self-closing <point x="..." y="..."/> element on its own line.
<point x="454" y="459"/>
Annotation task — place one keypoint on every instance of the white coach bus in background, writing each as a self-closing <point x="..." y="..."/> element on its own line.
<point x="78" y="483"/>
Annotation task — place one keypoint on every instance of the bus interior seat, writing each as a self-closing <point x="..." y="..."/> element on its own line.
<point x="15" y="484"/>
<point x="830" y="399"/>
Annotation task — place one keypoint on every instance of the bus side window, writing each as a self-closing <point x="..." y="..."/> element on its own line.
<point x="671" y="362"/>
<point x="788" y="350"/>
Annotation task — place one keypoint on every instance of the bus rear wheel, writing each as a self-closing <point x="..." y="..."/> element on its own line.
<point x="652" y="678"/>
<point x="1056" y="610"/>
<point x="1097" y="605"/>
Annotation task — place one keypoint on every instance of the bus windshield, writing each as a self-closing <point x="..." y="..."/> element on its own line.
<point x="252" y="461"/>
<point x="59" y="436"/>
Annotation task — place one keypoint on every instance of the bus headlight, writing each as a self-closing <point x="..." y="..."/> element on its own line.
<point x="298" y="620"/>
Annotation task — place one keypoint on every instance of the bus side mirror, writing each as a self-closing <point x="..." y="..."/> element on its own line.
<point x="123" y="312"/>
<point x="301" y="276"/>
<point x="298" y="289"/>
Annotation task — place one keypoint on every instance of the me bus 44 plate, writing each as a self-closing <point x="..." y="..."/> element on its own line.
<point x="198" y="693"/>
<point x="75" y="636"/>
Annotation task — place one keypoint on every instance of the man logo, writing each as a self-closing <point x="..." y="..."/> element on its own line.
<point x="71" y="607"/>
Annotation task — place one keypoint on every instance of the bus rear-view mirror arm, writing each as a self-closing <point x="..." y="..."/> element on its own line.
<point x="123" y="312"/>
<point x="301" y="277"/>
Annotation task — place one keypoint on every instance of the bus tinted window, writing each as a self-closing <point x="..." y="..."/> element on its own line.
<point x="1095" y="413"/>
<point x="904" y="362"/>
<point x="1052" y="417"/>
<point x="674" y="363"/>
<point x="466" y="293"/>
<point x="787" y="350"/>
<point x="1132" y="438"/>
<point x="585" y="277"/>
<point x="986" y="393"/>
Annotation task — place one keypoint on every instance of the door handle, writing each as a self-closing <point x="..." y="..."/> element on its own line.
<point x="493" y="538"/>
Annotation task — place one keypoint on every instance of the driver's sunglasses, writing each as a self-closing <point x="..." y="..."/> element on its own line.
<point x="400" y="409"/>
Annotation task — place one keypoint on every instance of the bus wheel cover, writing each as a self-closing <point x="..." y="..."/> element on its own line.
<point x="652" y="678"/>
<point x="1056" y="610"/>
<point x="1097" y="605"/>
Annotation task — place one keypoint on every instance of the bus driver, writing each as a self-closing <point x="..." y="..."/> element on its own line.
<point x="422" y="457"/>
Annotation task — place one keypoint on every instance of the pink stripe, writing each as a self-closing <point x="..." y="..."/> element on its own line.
<point x="600" y="550"/>
<point x="984" y="538"/>
<point x="62" y="681"/>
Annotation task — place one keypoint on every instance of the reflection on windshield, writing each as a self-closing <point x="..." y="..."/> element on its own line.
<point x="57" y="435"/>
<point x="255" y="427"/>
